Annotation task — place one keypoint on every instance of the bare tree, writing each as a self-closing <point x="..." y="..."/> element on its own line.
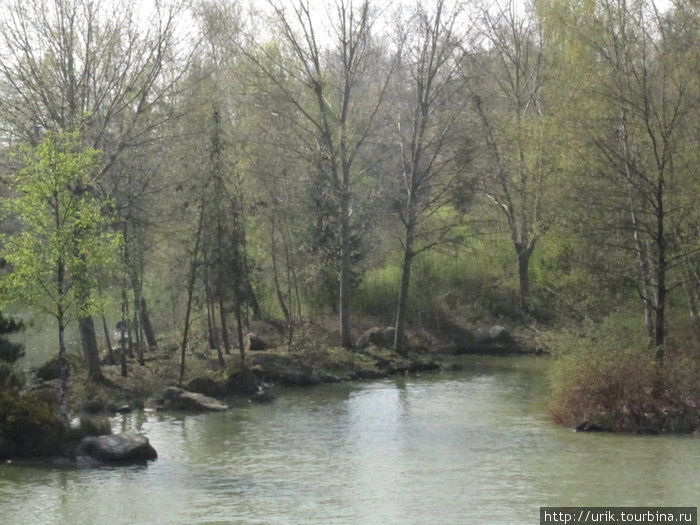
<point x="645" y="81"/>
<point x="507" y="94"/>
<point x="338" y="95"/>
<point x="429" y="118"/>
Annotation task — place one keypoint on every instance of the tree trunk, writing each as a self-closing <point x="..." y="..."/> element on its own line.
<point x="251" y="299"/>
<point x="137" y="327"/>
<point x="524" y="276"/>
<point x="239" y="328"/>
<point x="691" y="294"/>
<point x="214" y="337"/>
<point x="123" y="332"/>
<point x="108" y="341"/>
<point x="211" y="335"/>
<point x="147" y="326"/>
<point x="275" y="278"/>
<point x="292" y="280"/>
<point x="219" y="353"/>
<point x="138" y="339"/>
<point x="128" y="328"/>
<point x="141" y="313"/>
<point x="62" y="361"/>
<point x="224" y="327"/>
<point x="644" y="269"/>
<point x="660" y="321"/>
<point x="344" y="302"/>
<point x="292" y="283"/>
<point x="63" y="366"/>
<point x="631" y="170"/>
<point x="185" y="332"/>
<point x="190" y="292"/>
<point x="402" y="310"/>
<point x="88" y="340"/>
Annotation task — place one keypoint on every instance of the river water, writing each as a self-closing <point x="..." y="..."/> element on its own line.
<point x="474" y="446"/>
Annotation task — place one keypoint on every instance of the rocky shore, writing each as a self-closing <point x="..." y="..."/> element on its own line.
<point x="269" y="364"/>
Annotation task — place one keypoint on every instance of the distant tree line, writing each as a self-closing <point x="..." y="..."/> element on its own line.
<point x="242" y="162"/>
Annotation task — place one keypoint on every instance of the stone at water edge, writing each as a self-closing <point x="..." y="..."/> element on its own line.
<point x="117" y="448"/>
<point x="499" y="334"/>
<point x="175" y="398"/>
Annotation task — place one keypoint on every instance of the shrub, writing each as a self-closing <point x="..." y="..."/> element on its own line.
<point x="91" y="425"/>
<point x="625" y="390"/>
<point x="31" y="425"/>
<point x="10" y="378"/>
<point x="9" y="351"/>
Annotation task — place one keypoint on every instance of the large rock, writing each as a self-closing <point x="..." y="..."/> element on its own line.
<point x="207" y="386"/>
<point x="370" y="374"/>
<point x="389" y="334"/>
<point x="588" y="427"/>
<point x="481" y="336"/>
<point x="174" y="398"/>
<point x="241" y="383"/>
<point x="117" y="448"/>
<point x="254" y="343"/>
<point x="263" y="395"/>
<point x="499" y="334"/>
<point x="296" y="378"/>
<point x="496" y="338"/>
<point x="382" y="337"/>
<point x="51" y="369"/>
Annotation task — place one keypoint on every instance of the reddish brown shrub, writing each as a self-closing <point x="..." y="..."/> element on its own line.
<point x="626" y="391"/>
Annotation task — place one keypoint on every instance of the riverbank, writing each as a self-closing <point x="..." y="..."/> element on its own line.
<point x="270" y="360"/>
<point x="29" y="427"/>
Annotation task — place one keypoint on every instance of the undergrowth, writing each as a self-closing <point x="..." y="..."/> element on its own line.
<point x="610" y="379"/>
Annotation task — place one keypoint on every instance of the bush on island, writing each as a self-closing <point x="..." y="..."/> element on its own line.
<point x="626" y="390"/>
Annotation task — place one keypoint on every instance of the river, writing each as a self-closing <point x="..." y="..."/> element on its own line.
<point x="474" y="446"/>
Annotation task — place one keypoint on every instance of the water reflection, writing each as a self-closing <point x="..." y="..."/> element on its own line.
<point x="470" y="447"/>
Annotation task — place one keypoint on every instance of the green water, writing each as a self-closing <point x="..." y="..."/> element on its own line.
<point x="469" y="447"/>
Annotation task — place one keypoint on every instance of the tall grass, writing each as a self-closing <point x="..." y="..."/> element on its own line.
<point x="443" y="286"/>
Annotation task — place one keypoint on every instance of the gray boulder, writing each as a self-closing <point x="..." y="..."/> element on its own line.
<point x="117" y="448"/>
<point x="499" y="334"/>
<point x="389" y="334"/>
<point x="494" y="335"/>
<point x="254" y="343"/>
<point x="382" y="337"/>
<point x="174" y="398"/>
<point x="206" y="386"/>
<point x="481" y="336"/>
<point x="241" y="382"/>
<point x="263" y="395"/>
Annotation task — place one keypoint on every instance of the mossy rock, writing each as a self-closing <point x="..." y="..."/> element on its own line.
<point x="51" y="369"/>
<point x="241" y="381"/>
<point x="207" y="386"/>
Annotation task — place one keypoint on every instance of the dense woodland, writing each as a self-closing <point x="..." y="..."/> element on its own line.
<point x="193" y="166"/>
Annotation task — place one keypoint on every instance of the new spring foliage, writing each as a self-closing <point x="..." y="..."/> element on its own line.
<point x="65" y="245"/>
